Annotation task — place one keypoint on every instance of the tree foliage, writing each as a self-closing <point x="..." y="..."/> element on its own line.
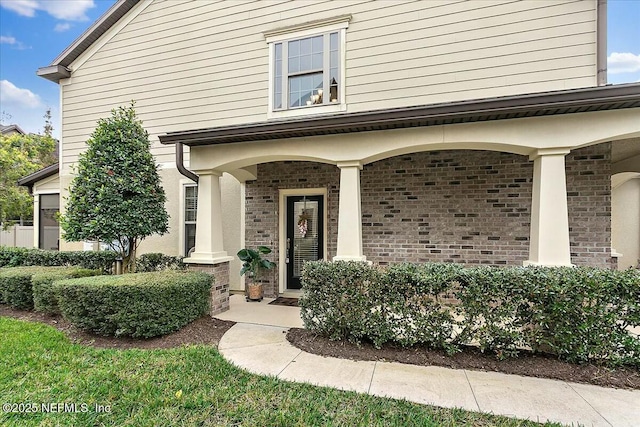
<point x="21" y="155"/>
<point x="116" y="196"/>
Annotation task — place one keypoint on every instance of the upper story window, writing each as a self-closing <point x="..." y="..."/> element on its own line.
<point x="307" y="67"/>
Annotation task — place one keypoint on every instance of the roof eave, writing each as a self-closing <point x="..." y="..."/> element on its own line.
<point x="30" y="180"/>
<point x="578" y="100"/>
<point x="55" y="73"/>
<point x="86" y="39"/>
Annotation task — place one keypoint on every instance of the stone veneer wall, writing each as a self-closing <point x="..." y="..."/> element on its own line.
<point x="471" y="207"/>
<point x="220" y="289"/>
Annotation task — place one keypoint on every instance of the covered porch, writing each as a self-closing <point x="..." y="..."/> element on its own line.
<point x="541" y="129"/>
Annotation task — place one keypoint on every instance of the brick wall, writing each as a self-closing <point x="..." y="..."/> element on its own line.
<point x="262" y="206"/>
<point x="589" y="201"/>
<point x="220" y="289"/>
<point x="465" y="206"/>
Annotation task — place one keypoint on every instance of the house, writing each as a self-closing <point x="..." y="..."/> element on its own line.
<point x="8" y="130"/>
<point x="387" y="131"/>
<point x="44" y="185"/>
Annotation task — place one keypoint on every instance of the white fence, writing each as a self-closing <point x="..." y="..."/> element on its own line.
<point x="17" y="236"/>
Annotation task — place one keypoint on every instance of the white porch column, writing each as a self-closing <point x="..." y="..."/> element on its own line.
<point x="549" y="239"/>
<point x="349" y="214"/>
<point x="209" y="247"/>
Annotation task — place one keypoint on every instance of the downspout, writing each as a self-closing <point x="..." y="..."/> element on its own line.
<point x="180" y="164"/>
<point x="601" y="43"/>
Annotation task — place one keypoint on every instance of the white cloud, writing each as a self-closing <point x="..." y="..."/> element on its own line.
<point x="8" y="40"/>
<point x="62" y="27"/>
<point x="11" y="95"/>
<point x="13" y="42"/>
<point x="21" y="7"/>
<point x="626" y="62"/>
<point x="68" y="10"/>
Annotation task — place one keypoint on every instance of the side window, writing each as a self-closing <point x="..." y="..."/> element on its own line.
<point x="190" y="209"/>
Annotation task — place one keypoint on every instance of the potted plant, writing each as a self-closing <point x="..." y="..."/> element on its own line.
<point x="253" y="266"/>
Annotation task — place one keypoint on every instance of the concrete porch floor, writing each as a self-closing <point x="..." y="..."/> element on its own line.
<point x="258" y="344"/>
<point x="261" y="313"/>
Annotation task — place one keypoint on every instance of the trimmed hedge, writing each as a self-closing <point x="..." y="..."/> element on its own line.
<point x="21" y="286"/>
<point x="44" y="297"/>
<point x="93" y="260"/>
<point x="15" y="287"/>
<point x="159" y="262"/>
<point x="579" y="314"/>
<point x="141" y="305"/>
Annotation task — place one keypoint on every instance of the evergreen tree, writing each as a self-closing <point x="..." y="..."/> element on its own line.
<point x="116" y="196"/>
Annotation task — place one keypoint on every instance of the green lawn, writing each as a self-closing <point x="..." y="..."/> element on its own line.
<point x="39" y="365"/>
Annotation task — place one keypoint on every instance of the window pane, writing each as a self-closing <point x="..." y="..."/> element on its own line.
<point x="277" y="83"/>
<point x="333" y="41"/>
<point x="294" y="48"/>
<point x="190" y="211"/>
<point x="302" y="87"/>
<point x="317" y="44"/>
<point x="333" y="88"/>
<point x="305" y="46"/>
<point x="190" y="203"/>
<point x="278" y="70"/>
<point x="333" y="58"/>
<point x="277" y="94"/>
<point x="294" y="64"/>
<point x="189" y="238"/>
<point x="305" y="63"/>
<point x="49" y="229"/>
<point x="278" y="49"/>
<point x="316" y="62"/>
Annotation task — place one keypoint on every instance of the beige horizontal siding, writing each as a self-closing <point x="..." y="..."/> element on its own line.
<point x="199" y="64"/>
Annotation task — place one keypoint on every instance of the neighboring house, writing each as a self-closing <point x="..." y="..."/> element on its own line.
<point x="44" y="185"/>
<point x="9" y="130"/>
<point x="386" y="131"/>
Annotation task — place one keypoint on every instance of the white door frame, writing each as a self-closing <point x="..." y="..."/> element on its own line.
<point x="282" y="227"/>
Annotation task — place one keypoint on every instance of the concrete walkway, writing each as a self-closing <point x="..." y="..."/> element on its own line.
<point x="264" y="349"/>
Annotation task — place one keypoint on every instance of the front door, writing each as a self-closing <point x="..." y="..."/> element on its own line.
<point x="305" y="235"/>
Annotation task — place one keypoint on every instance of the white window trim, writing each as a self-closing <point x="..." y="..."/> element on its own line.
<point x="308" y="30"/>
<point x="184" y="183"/>
<point x="36" y="209"/>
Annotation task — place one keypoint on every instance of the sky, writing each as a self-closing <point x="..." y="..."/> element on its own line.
<point x="34" y="32"/>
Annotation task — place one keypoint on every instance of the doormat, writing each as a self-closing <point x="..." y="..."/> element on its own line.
<point x="290" y="302"/>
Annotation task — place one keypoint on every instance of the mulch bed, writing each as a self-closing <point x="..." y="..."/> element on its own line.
<point x="205" y="330"/>
<point x="528" y="364"/>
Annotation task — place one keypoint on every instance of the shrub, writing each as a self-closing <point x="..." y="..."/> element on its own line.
<point x="93" y="260"/>
<point x="15" y="286"/>
<point x="44" y="297"/>
<point x="18" y="285"/>
<point x="336" y="299"/>
<point x="137" y="305"/>
<point x="582" y="314"/>
<point x="158" y="262"/>
<point x="579" y="314"/>
<point x="351" y="300"/>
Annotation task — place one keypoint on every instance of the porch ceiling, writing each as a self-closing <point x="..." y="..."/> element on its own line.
<point x="625" y="149"/>
<point x="499" y="108"/>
